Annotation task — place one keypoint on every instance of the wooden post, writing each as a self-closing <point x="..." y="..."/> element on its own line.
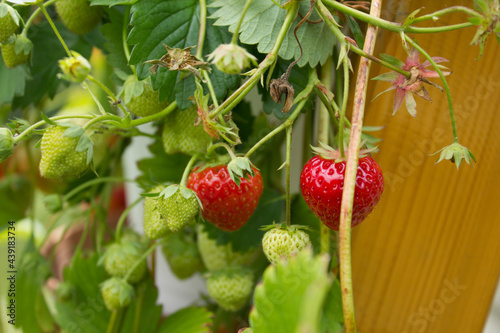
<point x="428" y="258"/>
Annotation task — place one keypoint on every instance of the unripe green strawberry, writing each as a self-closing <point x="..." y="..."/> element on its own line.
<point x="230" y="287"/>
<point x="182" y="254"/>
<point x="78" y="16"/>
<point x="116" y="293"/>
<point x="16" y="51"/>
<point x="180" y="135"/>
<point x="60" y="160"/>
<point x="216" y="256"/>
<point x="140" y="98"/>
<point x="120" y="257"/>
<point x="283" y="241"/>
<point x="9" y="22"/>
<point x="154" y="225"/>
<point x="178" y="205"/>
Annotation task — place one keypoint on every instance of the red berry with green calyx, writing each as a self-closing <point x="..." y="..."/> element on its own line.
<point x="322" y="182"/>
<point x="225" y="204"/>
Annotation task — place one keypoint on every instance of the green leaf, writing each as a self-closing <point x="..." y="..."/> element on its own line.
<point x="74" y="132"/>
<point x="291" y="295"/>
<point x="409" y="20"/>
<point x="84" y="143"/>
<point x="32" y="273"/>
<point x="112" y="32"/>
<point x="86" y="308"/>
<point x="188" y="320"/>
<point x="12" y="82"/>
<point x="392" y="60"/>
<point x="13" y="189"/>
<point x="143" y="310"/>
<point x="356" y="31"/>
<point x="250" y="236"/>
<point x="263" y="22"/>
<point x="333" y="319"/>
<point x="475" y="20"/>
<point x="481" y="6"/>
<point x="47" y="50"/>
<point x="176" y="24"/>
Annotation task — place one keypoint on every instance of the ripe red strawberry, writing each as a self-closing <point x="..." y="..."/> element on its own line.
<point x="9" y="22"/>
<point x="180" y="135"/>
<point x="226" y="205"/>
<point x="231" y="286"/>
<point x="78" y="16"/>
<point x="283" y="241"/>
<point x="322" y="182"/>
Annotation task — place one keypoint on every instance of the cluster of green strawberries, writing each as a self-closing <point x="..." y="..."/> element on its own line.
<point x="225" y="195"/>
<point x="170" y="211"/>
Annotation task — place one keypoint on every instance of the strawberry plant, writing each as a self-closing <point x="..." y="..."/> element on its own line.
<point x="216" y="89"/>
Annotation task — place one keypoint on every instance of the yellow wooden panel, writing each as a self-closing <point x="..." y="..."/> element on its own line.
<point x="428" y="259"/>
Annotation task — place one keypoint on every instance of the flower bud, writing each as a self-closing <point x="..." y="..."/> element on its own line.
<point x="231" y="58"/>
<point x="75" y="68"/>
<point x="6" y="144"/>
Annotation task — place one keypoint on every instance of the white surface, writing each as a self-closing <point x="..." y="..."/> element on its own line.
<point x="493" y="322"/>
<point x="173" y="293"/>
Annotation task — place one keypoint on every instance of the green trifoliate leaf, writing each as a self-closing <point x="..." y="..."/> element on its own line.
<point x="188" y="320"/>
<point x="299" y="304"/>
<point x="456" y="153"/>
<point x="262" y="23"/>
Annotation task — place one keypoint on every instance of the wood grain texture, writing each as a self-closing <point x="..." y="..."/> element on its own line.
<point x="428" y="258"/>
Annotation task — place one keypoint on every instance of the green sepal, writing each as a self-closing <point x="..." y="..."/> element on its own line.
<point x="456" y="153"/>
<point x="240" y="167"/>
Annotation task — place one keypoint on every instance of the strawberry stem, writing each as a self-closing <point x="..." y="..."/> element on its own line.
<point x="142" y="258"/>
<point x="126" y="50"/>
<point x="187" y="170"/>
<point x="113" y="97"/>
<point x="288" y="200"/>
<point x="350" y="175"/>
<point x="323" y="136"/>
<point x="47" y="16"/>
<point x="234" y="40"/>
<point x="123" y="217"/>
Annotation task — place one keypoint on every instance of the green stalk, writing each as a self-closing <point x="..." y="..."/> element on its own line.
<point x="323" y="134"/>
<point x="203" y="29"/>
<point x="33" y="16"/>
<point x="245" y="88"/>
<point x="442" y="12"/>
<point x="288" y="200"/>
<point x="360" y="52"/>
<point x="47" y="16"/>
<point x="157" y="116"/>
<point x="344" y="106"/>
<point x="394" y="27"/>
<point x="350" y="175"/>
<point x="101" y="85"/>
<point x="234" y="40"/>
<point x="142" y="258"/>
<point x="445" y="84"/>
<point x="123" y="217"/>
<point x="95" y="181"/>
<point x="187" y="170"/>
<point x="42" y="122"/>
<point x="126" y="16"/>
